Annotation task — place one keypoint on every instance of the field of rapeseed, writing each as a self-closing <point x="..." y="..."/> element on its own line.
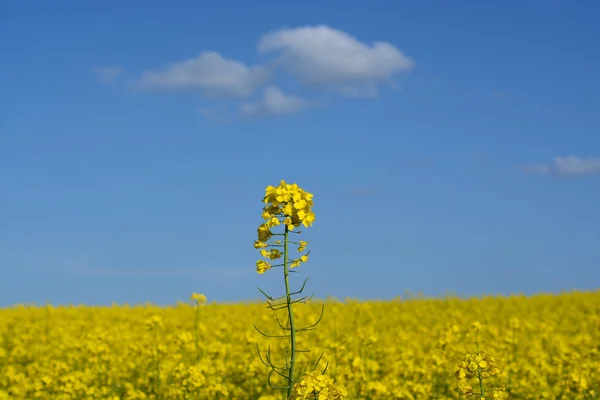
<point x="540" y="347"/>
<point x="545" y="346"/>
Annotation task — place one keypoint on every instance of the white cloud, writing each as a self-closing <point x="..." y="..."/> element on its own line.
<point x="322" y="56"/>
<point x="210" y="73"/>
<point x="108" y="74"/>
<point x="273" y="102"/>
<point x="317" y="56"/>
<point x="567" y="166"/>
<point x="576" y="166"/>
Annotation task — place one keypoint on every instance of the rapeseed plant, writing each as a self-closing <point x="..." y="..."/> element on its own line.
<point x="289" y="206"/>
<point x="199" y="299"/>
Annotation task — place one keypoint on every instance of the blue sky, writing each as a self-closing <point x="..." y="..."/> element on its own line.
<point x="450" y="146"/>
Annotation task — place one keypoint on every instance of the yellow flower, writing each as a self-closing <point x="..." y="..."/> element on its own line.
<point x="301" y="214"/>
<point x="300" y="203"/>
<point x="466" y="389"/>
<point x="274" y="221"/>
<point x="288" y="209"/>
<point x="309" y="219"/>
<point x="314" y="385"/>
<point x="259" y="245"/>
<point x="262" y="266"/>
<point x="273" y="254"/>
<point x="264" y="233"/>
<point x="300" y="260"/>
<point x="290" y="223"/>
<point x="302" y="246"/>
<point x="199" y="298"/>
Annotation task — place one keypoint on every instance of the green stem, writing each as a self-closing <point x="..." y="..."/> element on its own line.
<point x="286" y="273"/>
<point x="480" y="384"/>
<point x="196" y="332"/>
<point x="510" y="359"/>
<point x="157" y="367"/>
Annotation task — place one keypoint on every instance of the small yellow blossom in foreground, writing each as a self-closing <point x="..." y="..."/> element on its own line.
<point x="474" y="365"/>
<point x="315" y="385"/>
<point x="199" y="298"/>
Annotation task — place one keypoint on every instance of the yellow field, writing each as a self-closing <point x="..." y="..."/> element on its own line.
<point x="546" y="346"/>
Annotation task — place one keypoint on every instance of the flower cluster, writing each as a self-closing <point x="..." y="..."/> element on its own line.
<point x="316" y="386"/>
<point x="287" y="205"/>
<point x="479" y="366"/>
<point x="198" y="298"/>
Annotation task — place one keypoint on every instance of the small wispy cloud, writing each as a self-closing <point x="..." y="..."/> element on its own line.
<point x="108" y="74"/>
<point x="210" y="73"/>
<point x="566" y="166"/>
<point x="273" y="102"/>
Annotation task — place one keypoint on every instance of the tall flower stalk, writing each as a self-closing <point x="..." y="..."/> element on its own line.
<point x="289" y="206"/>
<point x="198" y="299"/>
